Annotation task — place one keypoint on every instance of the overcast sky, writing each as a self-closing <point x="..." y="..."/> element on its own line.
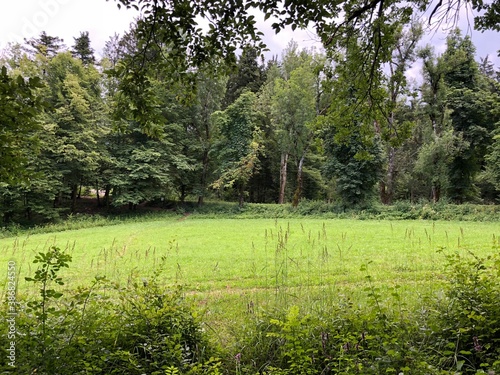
<point x="21" y="19"/>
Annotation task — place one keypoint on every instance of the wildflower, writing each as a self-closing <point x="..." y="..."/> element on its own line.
<point x="237" y="357"/>
<point x="477" y="345"/>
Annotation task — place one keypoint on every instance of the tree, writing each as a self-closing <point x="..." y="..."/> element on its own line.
<point x="73" y="125"/>
<point x="433" y="163"/>
<point x="82" y="49"/>
<point x="45" y="45"/>
<point x="210" y="92"/>
<point x="239" y="146"/>
<point x="19" y="108"/>
<point x="493" y="162"/>
<point x="249" y="75"/>
<point x="470" y="114"/>
<point x="293" y="111"/>
<point x="20" y="105"/>
<point x="153" y="117"/>
<point x="141" y="170"/>
<point x="354" y="164"/>
<point x="397" y="128"/>
<point x="350" y="133"/>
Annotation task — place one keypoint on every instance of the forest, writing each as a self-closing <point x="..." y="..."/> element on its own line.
<point x="304" y="125"/>
<point x="267" y="250"/>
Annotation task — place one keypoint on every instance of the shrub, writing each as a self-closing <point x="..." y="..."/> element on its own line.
<point x="106" y="329"/>
<point x="467" y="324"/>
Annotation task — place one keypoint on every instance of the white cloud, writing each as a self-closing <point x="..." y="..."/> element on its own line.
<point x="65" y="19"/>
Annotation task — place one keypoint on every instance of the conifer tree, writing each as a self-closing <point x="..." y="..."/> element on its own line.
<point x="82" y="49"/>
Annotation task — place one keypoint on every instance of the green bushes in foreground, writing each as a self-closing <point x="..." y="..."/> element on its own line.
<point x="143" y="328"/>
<point x="458" y="333"/>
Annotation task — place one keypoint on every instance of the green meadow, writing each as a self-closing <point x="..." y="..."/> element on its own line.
<point x="219" y="256"/>
<point x="271" y="296"/>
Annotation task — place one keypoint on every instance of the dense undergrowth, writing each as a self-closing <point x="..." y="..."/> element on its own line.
<point x="399" y="211"/>
<point x="145" y="328"/>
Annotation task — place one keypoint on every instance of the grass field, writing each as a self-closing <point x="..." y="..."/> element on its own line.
<point x="219" y="256"/>
<point x="248" y="277"/>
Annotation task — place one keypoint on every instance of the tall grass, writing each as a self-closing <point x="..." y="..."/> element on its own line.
<point x="259" y="261"/>
<point x="266" y="288"/>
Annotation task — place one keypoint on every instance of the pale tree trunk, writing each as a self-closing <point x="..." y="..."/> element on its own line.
<point x="387" y="186"/>
<point x="283" y="173"/>
<point x="435" y="193"/>
<point x="298" y="191"/>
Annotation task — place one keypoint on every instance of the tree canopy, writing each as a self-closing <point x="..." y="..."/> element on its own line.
<point x="125" y="130"/>
<point x="197" y="33"/>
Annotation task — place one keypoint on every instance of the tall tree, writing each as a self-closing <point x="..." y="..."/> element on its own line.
<point x="397" y="129"/>
<point x="19" y="108"/>
<point x="45" y="44"/>
<point x="82" y="49"/>
<point x="470" y="114"/>
<point x="349" y="132"/>
<point x="248" y="76"/>
<point x="74" y="93"/>
<point x="293" y="111"/>
<point x="239" y="147"/>
<point x="493" y="161"/>
<point x="209" y="99"/>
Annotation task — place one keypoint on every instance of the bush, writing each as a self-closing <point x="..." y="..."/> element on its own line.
<point x="467" y="322"/>
<point x="106" y="329"/>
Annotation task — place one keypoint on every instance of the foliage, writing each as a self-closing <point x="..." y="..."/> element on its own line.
<point x="239" y="146"/>
<point x="82" y="49"/>
<point x="249" y="76"/>
<point x="433" y="162"/>
<point x="493" y="162"/>
<point x="45" y="45"/>
<point x="356" y="167"/>
<point x="467" y="323"/>
<point x="19" y="106"/>
<point x="374" y="24"/>
<point x="147" y="329"/>
<point x="468" y="102"/>
<point x="132" y="130"/>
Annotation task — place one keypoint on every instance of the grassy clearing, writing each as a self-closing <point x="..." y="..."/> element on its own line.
<point x="216" y="256"/>
<point x="250" y="276"/>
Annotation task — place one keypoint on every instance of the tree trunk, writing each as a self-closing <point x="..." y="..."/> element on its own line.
<point x="298" y="191"/>
<point x="106" y="196"/>
<point x="203" y="180"/>
<point x="74" y="196"/>
<point x="283" y="172"/>
<point x="435" y="193"/>
<point x="241" y="193"/>
<point x="387" y="186"/>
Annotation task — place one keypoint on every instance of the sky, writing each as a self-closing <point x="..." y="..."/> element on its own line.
<point x="25" y="19"/>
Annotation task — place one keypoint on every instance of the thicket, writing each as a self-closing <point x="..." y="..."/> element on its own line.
<point x="144" y="327"/>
